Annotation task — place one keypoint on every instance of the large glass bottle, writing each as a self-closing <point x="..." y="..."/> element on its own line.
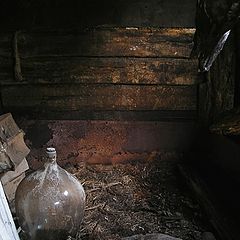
<point x="50" y="202"/>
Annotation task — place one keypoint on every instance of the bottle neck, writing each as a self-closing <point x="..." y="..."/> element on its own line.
<point x="51" y="155"/>
<point x="52" y="159"/>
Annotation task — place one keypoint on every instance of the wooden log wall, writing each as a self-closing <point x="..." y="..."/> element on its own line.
<point x="101" y="70"/>
<point x="217" y="94"/>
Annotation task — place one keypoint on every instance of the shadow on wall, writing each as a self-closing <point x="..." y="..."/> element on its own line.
<point x="26" y="14"/>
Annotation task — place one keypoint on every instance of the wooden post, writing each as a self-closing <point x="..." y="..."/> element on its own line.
<point x="8" y="229"/>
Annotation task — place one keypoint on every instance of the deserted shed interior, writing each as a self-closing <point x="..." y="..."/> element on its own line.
<point x="112" y="82"/>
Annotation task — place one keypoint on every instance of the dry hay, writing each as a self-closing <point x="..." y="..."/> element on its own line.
<point x="137" y="198"/>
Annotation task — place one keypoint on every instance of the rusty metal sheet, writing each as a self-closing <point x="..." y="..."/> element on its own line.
<point x="107" y="142"/>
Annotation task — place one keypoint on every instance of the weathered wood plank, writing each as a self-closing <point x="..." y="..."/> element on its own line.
<point x="93" y="13"/>
<point x="6" y="44"/>
<point x="72" y="13"/>
<point x="67" y="97"/>
<point x="7" y="224"/>
<point x="109" y="70"/>
<point x="103" y="70"/>
<point x="6" y="69"/>
<point x="137" y="42"/>
<point x="6" y="56"/>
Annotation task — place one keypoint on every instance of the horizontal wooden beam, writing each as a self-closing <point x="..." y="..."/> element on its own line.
<point x="109" y="70"/>
<point x="6" y="69"/>
<point x="71" y="97"/>
<point x="6" y="44"/>
<point x="134" y="42"/>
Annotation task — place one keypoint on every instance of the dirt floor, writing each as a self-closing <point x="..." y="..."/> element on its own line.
<point x="139" y="198"/>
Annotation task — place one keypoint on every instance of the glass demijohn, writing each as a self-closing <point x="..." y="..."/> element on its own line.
<point x="50" y="202"/>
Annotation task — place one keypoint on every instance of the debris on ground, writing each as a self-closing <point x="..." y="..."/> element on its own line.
<point x="124" y="200"/>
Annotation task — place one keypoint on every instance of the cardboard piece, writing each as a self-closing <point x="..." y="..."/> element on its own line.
<point x="12" y="146"/>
